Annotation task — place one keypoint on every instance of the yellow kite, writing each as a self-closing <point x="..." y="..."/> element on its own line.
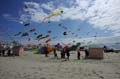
<point x="57" y="12"/>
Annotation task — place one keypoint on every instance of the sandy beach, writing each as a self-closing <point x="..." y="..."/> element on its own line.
<point x="35" y="66"/>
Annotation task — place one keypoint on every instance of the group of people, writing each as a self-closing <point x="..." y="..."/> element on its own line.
<point x="9" y="50"/>
<point x="5" y="50"/>
<point x="65" y="52"/>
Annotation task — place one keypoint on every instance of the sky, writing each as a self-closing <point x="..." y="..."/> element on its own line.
<point x="86" y="20"/>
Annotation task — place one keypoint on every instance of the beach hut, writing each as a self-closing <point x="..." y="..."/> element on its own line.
<point x="18" y="51"/>
<point x="96" y="52"/>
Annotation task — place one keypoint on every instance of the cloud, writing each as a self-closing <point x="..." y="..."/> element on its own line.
<point x="9" y="17"/>
<point x="32" y="4"/>
<point x="101" y="14"/>
<point x="91" y="40"/>
<point x="49" y="6"/>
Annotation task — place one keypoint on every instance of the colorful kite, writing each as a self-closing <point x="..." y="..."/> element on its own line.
<point x="46" y="36"/>
<point x="32" y="30"/>
<point x="57" y="12"/>
<point x="49" y="31"/>
<point x="25" y="34"/>
<point x="39" y="36"/>
<point x="48" y="40"/>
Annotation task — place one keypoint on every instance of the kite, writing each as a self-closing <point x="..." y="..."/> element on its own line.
<point x="29" y="39"/>
<point x="35" y="33"/>
<point x="39" y="36"/>
<point x="66" y="47"/>
<point x="26" y="24"/>
<point x="32" y="30"/>
<point x="59" y="24"/>
<point x="73" y="41"/>
<point x="18" y="34"/>
<point x="64" y="33"/>
<point x="25" y="6"/>
<point x="65" y="27"/>
<point x="42" y="37"/>
<point x="25" y="34"/>
<point x="57" y="12"/>
<point x="73" y="33"/>
<point x="49" y="31"/>
<point x="48" y="40"/>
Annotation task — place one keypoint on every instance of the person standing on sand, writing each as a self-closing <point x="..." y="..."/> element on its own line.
<point x="62" y="53"/>
<point x="78" y="51"/>
<point x="46" y="51"/>
<point x="67" y="52"/>
<point x="86" y="53"/>
<point x="54" y="51"/>
<point x="78" y="54"/>
<point x="1" y="50"/>
<point x="4" y="49"/>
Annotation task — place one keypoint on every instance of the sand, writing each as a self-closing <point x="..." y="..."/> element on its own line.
<point x="32" y="66"/>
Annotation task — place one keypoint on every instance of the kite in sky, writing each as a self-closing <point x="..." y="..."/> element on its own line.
<point x="48" y="40"/>
<point x="18" y="34"/>
<point x="32" y="30"/>
<point x="64" y="33"/>
<point x="25" y="34"/>
<point x="26" y="24"/>
<point x="57" y="12"/>
<point x="49" y="31"/>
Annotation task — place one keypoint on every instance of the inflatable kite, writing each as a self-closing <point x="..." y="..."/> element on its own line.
<point x="65" y="27"/>
<point x="48" y="40"/>
<point x="32" y="30"/>
<point x="18" y="34"/>
<point x="46" y="36"/>
<point x="39" y="36"/>
<point x="59" y="24"/>
<point x="49" y="31"/>
<point x="26" y="24"/>
<point x="25" y="34"/>
<point x="57" y="12"/>
<point x="35" y="33"/>
<point x="25" y="6"/>
<point x="64" y="33"/>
